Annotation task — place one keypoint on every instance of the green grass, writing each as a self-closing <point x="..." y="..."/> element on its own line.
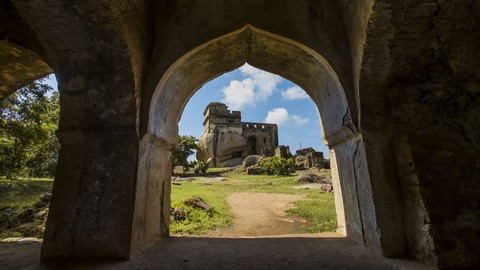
<point x="219" y="169"/>
<point x="19" y="197"/>
<point x="319" y="211"/>
<point x="22" y="192"/>
<point x="199" y="221"/>
<point x="318" y="207"/>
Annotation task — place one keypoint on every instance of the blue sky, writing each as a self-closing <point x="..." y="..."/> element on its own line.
<point x="52" y="81"/>
<point x="261" y="97"/>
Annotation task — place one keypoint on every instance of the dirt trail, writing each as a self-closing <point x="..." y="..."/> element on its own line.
<point x="261" y="214"/>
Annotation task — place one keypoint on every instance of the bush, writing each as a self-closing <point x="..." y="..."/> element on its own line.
<point x="201" y="166"/>
<point x="277" y="166"/>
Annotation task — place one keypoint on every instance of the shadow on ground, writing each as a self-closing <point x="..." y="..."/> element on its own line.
<point x="225" y="253"/>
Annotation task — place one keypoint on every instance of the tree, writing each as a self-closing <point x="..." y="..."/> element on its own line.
<point x="43" y="162"/>
<point x="185" y="147"/>
<point x="28" y="146"/>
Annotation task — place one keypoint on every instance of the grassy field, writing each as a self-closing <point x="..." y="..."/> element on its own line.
<point x="318" y="208"/>
<point x="19" y="197"/>
<point x="19" y="202"/>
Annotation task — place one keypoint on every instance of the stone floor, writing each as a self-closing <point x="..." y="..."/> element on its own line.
<point x="222" y="253"/>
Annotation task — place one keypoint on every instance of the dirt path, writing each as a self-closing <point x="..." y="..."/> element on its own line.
<point x="261" y="214"/>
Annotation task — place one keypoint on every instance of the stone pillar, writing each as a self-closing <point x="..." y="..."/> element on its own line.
<point x="94" y="189"/>
<point x="416" y="218"/>
<point x="388" y="200"/>
<point x="352" y="183"/>
<point x="91" y="210"/>
<point x="338" y="195"/>
<point x="152" y="202"/>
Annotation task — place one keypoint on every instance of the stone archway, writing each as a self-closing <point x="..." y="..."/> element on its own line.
<point x="276" y="54"/>
<point x="414" y="103"/>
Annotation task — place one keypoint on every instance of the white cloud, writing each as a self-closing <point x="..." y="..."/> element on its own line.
<point x="238" y="94"/>
<point x="278" y="116"/>
<point x="281" y="117"/>
<point x="258" y="85"/>
<point x="294" y="93"/>
<point x="300" y="121"/>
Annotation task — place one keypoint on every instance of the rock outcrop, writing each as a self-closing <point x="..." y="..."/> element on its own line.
<point x="223" y="150"/>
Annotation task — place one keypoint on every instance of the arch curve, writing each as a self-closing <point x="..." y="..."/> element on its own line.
<point x="261" y="49"/>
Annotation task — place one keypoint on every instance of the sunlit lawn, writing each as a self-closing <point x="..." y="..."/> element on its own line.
<point x="22" y="192"/>
<point x="318" y="207"/>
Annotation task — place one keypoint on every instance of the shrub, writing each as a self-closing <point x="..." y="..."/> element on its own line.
<point x="276" y="165"/>
<point x="201" y="166"/>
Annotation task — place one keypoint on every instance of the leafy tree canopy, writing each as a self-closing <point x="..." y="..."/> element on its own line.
<point x="185" y="147"/>
<point x="28" y="121"/>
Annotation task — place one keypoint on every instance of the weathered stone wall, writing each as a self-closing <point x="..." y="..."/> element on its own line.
<point x="421" y="63"/>
<point x="216" y="114"/>
<point x="19" y="66"/>
<point x="135" y="19"/>
<point x="22" y="58"/>
<point x="321" y="30"/>
<point x="416" y="218"/>
<point x="266" y="135"/>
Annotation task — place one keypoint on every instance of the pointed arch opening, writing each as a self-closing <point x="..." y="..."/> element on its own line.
<point x="272" y="53"/>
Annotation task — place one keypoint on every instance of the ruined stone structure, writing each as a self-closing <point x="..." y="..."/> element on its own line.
<point x="283" y="151"/>
<point x="395" y="83"/>
<point x="314" y="158"/>
<point x="227" y="140"/>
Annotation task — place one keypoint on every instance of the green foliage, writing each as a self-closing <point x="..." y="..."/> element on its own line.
<point x="28" y="146"/>
<point x="201" y="166"/>
<point x="276" y="165"/>
<point x="185" y="147"/>
<point x="192" y="163"/>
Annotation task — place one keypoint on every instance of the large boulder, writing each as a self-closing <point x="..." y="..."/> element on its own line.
<point x="221" y="148"/>
<point x="230" y="163"/>
<point x="205" y="145"/>
<point x="229" y="143"/>
<point x="313" y="178"/>
<point x="251" y="160"/>
<point x="308" y="178"/>
<point x="224" y="158"/>
<point x="301" y="161"/>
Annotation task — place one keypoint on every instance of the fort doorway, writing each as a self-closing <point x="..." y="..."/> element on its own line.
<point x="252" y="145"/>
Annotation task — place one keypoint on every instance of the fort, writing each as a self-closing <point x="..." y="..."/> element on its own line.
<point x="227" y="140"/>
